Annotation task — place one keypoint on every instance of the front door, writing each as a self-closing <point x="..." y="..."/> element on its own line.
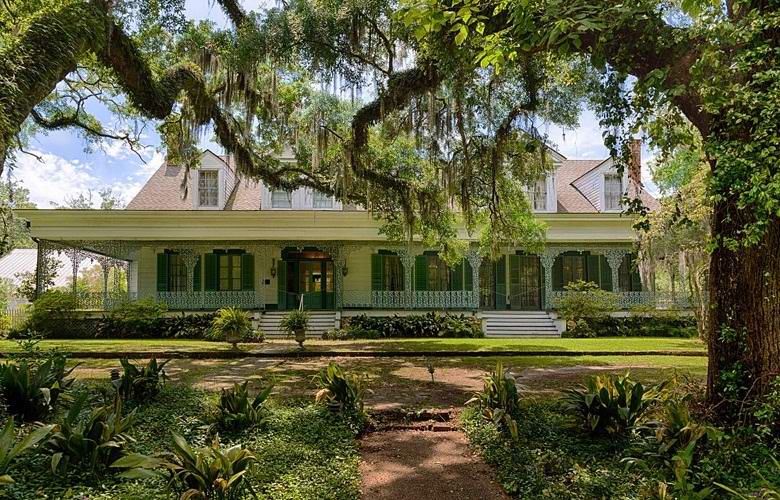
<point x="308" y="274"/>
<point x="525" y="284"/>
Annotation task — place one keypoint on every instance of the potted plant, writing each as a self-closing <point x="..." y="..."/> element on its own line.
<point x="295" y="323"/>
<point x="232" y="325"/>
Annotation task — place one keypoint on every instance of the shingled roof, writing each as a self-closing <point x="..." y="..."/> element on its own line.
<point x="165" y="191"/>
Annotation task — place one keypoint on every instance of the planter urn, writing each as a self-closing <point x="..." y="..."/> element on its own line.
<point x="300" y="336"/>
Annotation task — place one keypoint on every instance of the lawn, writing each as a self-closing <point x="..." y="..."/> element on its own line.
<point x="612" y="344"/>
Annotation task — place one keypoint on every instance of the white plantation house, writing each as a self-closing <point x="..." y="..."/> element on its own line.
<point x="230" y="241"/>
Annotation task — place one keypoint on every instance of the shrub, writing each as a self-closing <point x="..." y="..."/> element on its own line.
<point x="585" y="300"/>
<point x="139" y="315"/>
<point x="208" y="473"/>
<point x="341" y="391"/>
<point x="232" y="325"/>
<point x="429" y="325"/>
<point x="30" y="389"/>
<point x="612" y="404"/>
<point x="647" y="325"/>
<point x="53" y="312"/>
<point x="94" y="443"/>
<point x="10" y="448"/>
<point x="499" y="400"/>
<point x="237" y="411"/>
<point x="141" y="383"/>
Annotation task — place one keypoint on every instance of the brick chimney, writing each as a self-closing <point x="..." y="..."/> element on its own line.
<point x="635" y="162"/>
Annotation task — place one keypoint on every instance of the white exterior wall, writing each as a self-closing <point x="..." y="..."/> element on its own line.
<point x="591" y="185"/>
<point x="147" y="271"/>
<point x="226" y="180"/>
<point x="359" y="269"/>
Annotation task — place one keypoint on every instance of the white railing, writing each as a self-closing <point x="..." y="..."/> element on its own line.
<point x="210" y="300"/>
<point x="457" y="299"/>
<point x="630" y="300"/>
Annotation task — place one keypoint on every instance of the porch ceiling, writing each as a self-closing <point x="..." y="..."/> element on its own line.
<point x="159" y="225"/>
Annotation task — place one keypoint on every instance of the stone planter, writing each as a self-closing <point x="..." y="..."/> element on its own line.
<point x="300" y="336"/>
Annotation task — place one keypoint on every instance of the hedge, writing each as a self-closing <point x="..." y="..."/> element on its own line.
<point x="429" y="325"/>
<point x="642" y="326"/>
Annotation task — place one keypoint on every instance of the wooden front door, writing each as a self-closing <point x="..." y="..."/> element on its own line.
<point x="525" y="283"/>
<point x="308" y="275"/>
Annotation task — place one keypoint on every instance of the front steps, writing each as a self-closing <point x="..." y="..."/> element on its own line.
<point x="519" y="324"/>
<point x="319" y="322"/>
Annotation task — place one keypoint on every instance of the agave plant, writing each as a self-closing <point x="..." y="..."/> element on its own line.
<point x="612" y="403"/>
<point x="499" y="400"/>
<point x="31" y="390"/>
<point x="212" y="472"/>
<point x="10" y="448"/>
<point x="141" y="383"/>
<point x="93" y="443"/>
<point x="341" y="391"/>
<point x="237" y="410"/>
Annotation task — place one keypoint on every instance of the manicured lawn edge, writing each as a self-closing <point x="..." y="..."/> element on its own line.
<point x="363" y="354"/>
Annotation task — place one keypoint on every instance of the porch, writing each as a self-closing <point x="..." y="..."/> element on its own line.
<point x="345" y="275"/>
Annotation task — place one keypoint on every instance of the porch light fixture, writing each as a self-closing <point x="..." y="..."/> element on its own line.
<point x="273" y="267"/>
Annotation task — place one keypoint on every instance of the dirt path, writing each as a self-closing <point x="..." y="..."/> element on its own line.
<point x="414" y="464"/>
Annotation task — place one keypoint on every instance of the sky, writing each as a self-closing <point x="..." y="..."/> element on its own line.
<point x="67" y="168"/>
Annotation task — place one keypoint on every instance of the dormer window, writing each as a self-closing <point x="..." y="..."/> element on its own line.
<point x="208" y="188"/>
<point x="281" y="199"/>
<point x="613" y="192"/>
<point x="322" y="200"/>
<point x="539" y="195"/>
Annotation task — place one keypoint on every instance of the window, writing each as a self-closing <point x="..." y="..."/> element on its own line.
<point x="539" y="195"/>
<point x="393" y="273"/>
<point x="573" y="268"/>
<point x="438" y="273"/>
<point x="208" y="188"/>
<point x="322" y="200"/>
<point x="230" y="271"/>
<point x="177" y="273"/>
<point x="281" y="199"/>
<point x="613" y="192"/>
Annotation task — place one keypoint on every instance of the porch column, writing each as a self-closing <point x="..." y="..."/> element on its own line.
<point x="614" y="258"/>
<point x="41" y="267"/>
<point x="547" y="259"/>
<point x="190" y="256"/>
<point x="76" y="256"/>
<point x="105" y="266"/>
<point x="475" y="261"/>
<point x="339" y="263"/>
<point x="407" y="255"/>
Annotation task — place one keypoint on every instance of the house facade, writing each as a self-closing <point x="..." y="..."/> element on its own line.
<point x="230" y="241"/>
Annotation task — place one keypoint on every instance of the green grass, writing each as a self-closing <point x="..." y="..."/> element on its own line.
<point x="616" y="344"/>
<point x="303" y="452"/>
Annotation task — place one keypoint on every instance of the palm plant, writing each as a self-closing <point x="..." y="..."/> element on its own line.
<point x="295" y="323"/>
<point x="237" y="410"/>
<point x="232" y="324"/>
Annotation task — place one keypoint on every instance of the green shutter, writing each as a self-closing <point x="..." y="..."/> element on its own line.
<point x="196" y="275"/>
<point x="281" y="281"/>
<point x="468" y="277"/>
<point x="377" y="272"/>
<point x="557" y="273"/>
<point x="211" y="279"/>
<point x="593" y="270"/>
<point x="247" y="272"/>
<point x="456" y="277"/>
<point x="162" y="272"/>
<point x="421" y="272"/>
<point x="501" y="283"/>
<point x="606" y="274"/>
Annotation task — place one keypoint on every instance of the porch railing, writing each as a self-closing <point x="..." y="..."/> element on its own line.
<point x="458" y="299"/>
<point x="630" y="300"/>
<point x="210" y="300"/>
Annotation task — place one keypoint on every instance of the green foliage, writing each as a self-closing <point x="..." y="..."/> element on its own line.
<point x="429" y="325"/>
<point x="31" y="389"/>
<point x="499" y="400"/>
<point x="612" y="404"/>
<point x="139" y="315"/>
<point x="639" y="325"/>
<point x="238" y="411"/>
<point x="141" y="384"/>
<point x="232" y="325"/>
<point x="341" y="391"/>
<point x="26" y="287"/>
<point x="294" y="320"/>
<point x="583" y="302"/>
<point x="767" y="413"/>
<point x="212" y="472"/>
<point x="10" y="447"/>
<point x="93" y="443"/>
<point x="53" y="311"/>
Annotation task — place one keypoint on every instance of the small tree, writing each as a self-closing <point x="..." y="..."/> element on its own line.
<point x="585" y="301"/>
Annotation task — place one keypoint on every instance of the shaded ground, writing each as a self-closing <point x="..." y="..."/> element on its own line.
<point x="406" y="465"/>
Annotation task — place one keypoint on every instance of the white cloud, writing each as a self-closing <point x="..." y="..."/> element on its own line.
<point x="53" y="179"/>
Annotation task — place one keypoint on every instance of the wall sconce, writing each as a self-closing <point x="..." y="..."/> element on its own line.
<point x="344" y="270"/>
<point x="273" y="267"/>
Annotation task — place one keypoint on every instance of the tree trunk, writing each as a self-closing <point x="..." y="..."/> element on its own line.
<point x="744" y="326"/>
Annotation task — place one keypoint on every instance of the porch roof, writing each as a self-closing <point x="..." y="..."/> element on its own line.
<point x="312" y="225"/>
